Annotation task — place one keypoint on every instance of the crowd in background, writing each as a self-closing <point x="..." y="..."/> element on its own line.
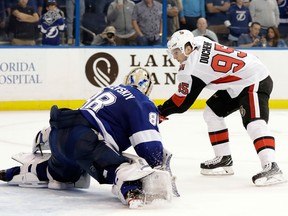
<point x="243" y="23"/>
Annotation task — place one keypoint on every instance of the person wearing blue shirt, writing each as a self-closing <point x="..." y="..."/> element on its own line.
<point x="190" y="13"/>
<point x="239" y="19"/>
<point x="252" y="39"/>
<point x="216" y="14"/>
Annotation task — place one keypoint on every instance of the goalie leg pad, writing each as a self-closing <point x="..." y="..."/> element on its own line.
<point x="129" y="172"/>
<point x="83" y="183"/>
<point x="28" y="175"/>
<point x="157" y="186"/>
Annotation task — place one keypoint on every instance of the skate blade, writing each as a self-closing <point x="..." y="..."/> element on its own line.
<point x="272" y="180"/>
<point x="220" y="171"/>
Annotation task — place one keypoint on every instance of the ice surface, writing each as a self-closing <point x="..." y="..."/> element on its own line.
<point x="186" y="137"/>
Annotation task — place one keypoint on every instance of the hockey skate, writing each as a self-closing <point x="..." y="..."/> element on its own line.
<point x="220" y="165"/>
<point x="270" y="175"/>
<point x="135" y="198"/>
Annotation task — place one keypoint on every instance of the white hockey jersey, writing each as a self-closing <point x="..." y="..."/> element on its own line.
<point x="220" y="68"/>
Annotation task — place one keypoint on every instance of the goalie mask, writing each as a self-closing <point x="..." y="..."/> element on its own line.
<point x="140" y="78"/>
<point x="178" y="41"/>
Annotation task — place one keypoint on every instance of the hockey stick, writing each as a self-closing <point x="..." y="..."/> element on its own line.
<point x="166" y="166"/>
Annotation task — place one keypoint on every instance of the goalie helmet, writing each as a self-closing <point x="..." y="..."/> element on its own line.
<point x="140" y="78"/>
<point x="178" y="41"/>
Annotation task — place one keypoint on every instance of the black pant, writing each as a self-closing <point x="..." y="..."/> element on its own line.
<point x="252" y="102"/>
<point x="76" y="149"/>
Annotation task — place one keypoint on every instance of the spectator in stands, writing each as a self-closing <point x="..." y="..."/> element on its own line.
<point x="147" y="22"/>
<point x="51" y="24"/>
<point x="216" y="14"/>
<point x="36" y="4"/>
<point x="252" y="39"/>
<point x="266" y="13"/>
<point x="283" y="24"/>
<point x="120" y="15"/>
<point x="106" y="38"/>
<point x="191" y="12"/>
<point x="273" y="38"/>
<point x="173" y="24"/>
<point x="202" y="30"/>
<point x="3" y="19"/>
<point x="172" y="17"/>
<point x="23" y="24"/>
<point x="70" y="13"/>
<point x="239" y="19"/>
<point x="246" y="3"/>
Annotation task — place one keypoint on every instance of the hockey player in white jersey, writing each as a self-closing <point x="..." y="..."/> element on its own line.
<point x="242" y="82"/>
<point x="90" y="141"/>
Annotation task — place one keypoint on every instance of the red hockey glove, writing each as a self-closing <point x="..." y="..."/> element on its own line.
<point x="162" y="118"/>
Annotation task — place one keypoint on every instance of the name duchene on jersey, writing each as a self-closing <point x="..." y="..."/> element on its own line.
<point x="206" y="51"/>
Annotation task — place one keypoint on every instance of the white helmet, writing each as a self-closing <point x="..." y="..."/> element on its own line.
<point x="140" y="78"/>
<point x="179" y="39"/>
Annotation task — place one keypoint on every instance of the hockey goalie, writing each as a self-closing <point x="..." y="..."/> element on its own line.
<point x="136" y="183"/>
<point x="92" y="140"/>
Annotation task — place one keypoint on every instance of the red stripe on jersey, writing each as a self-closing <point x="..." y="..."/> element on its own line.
<point x="226" y="79"/>
<point x="177" y="100"/>
<point x="264" y="142"/>
<point x="218" y="137"/>
<point x="251" y="102"/>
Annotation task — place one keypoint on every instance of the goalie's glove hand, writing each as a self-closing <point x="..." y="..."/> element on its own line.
<point x="161" y="117"/>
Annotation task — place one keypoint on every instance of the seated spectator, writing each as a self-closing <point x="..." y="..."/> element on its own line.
<point x="23" y="24"/>
<point x="238" y="21"/>
<point x="106" y="38"/>
<point x="94" y="18"/>
<point x="266" y="13"/>
<point x="147" y="22"/>
<point x="216" y="14"/>
<point x="51" y="24"/>
<point x="252" y="39"/>
<point x="120" y="15"/>
<point x="202" y="30"/>
<point x="273" y="38"/>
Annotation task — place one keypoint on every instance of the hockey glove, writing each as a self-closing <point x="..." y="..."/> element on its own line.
<point x="161" y="117"/>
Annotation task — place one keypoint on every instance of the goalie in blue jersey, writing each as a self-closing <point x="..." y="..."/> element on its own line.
<point x="90" y="141"/>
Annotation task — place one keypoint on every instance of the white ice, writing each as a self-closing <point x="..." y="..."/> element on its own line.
<point x="186" y="137"/>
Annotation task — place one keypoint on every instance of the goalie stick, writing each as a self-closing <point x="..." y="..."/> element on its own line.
<point x="166" y="166"/>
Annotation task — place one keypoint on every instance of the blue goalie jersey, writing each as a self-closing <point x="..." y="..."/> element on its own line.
<point x="126" y="117"/>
